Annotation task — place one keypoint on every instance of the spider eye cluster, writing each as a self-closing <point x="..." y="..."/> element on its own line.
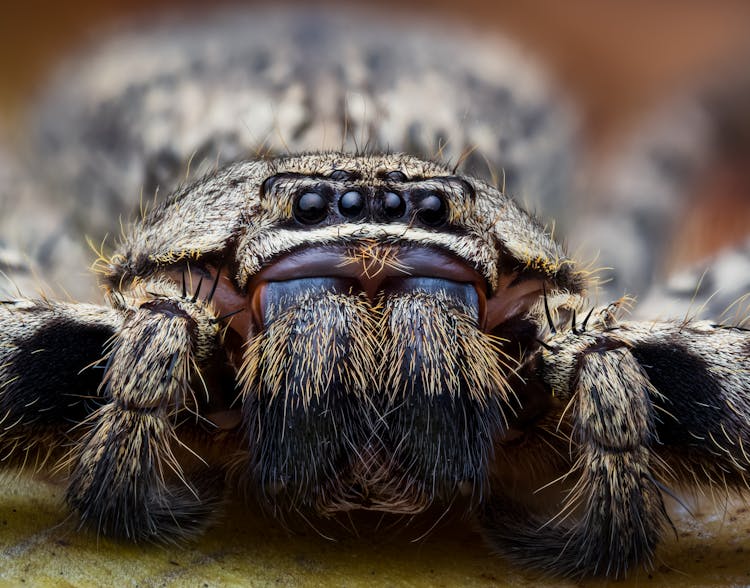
<point x="344" y="196"/>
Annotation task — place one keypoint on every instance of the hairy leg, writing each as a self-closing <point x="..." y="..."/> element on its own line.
<point x="47" y="384"/>
<point x="652" y="405"/>
<point x="613" y="514"/>
<point x="126" y="479"/>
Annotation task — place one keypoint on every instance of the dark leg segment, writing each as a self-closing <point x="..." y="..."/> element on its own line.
<point x="48" y="378"/>
<point x="702" y="373"/>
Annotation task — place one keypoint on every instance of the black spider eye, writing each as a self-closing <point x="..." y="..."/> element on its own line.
<point x="351" y="203"/>
<point x="395" y="176"/>
<point x="267" y="185"/>
<point x="341" y="175"/>
<point x="310" y="208"/>
<point x="393" y="205"/>
<point x="433" y="210"/>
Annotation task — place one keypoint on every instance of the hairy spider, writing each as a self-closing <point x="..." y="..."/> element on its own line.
<point x="368" y="332"/>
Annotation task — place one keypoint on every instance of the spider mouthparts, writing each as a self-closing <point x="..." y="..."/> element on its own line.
<point x="404" y="395"/>
<point x="276" y="297"/>
<point x="370" y="271"/>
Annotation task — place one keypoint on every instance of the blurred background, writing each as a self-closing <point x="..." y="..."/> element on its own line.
<point x="618" y="58"/>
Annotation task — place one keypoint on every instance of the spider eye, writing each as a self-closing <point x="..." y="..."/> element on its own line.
<point x="393" y="205"/>
<point x="395" y="176"/>
<point x="351" y="203"/>
<point x="341" y="175"/>
<point x="267" y="185"/>
<point x="310" y="208"/>
<point x="432" y="210"/>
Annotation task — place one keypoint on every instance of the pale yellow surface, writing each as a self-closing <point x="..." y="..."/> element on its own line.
<point x="40" y="546"/>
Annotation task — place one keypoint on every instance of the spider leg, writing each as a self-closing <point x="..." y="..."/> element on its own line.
<point x="126" y="478"/>
<point x="651" y="405"/>
<point x="47" y="385"/>
<point x="613" y="514"/>
<point x="702" y="373"/>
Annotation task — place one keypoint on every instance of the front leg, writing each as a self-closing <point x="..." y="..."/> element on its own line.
<point x="652" y="405"/>
<point x="126" y="479"/>
<point x="614" y="501"/>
